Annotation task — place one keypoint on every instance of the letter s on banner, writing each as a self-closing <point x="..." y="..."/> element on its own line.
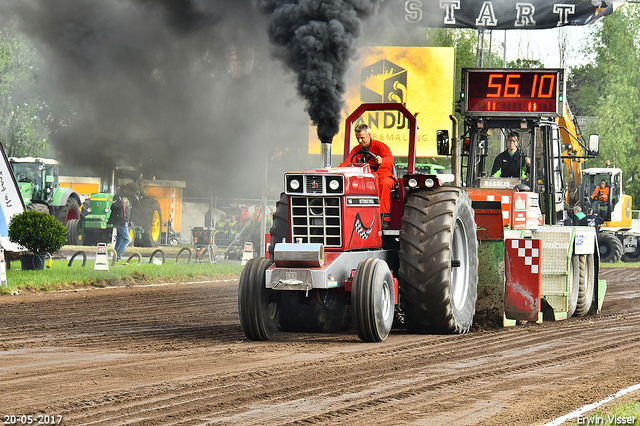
<point x="413" y="11"/>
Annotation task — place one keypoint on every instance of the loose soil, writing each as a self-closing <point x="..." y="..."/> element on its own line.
<point x="176" y="355"/>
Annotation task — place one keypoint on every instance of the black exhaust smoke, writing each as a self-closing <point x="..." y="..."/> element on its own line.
<point x="315" y="39"/>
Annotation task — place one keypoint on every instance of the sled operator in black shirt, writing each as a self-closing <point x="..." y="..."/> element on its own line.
<point x="511" y="162"/>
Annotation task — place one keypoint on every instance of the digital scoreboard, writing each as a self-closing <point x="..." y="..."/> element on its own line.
<point x="509" y="91"/>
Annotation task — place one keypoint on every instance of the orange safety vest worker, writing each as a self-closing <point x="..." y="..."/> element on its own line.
<point x="601" y="194"/>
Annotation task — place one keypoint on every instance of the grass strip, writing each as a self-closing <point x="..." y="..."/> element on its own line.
<point x="60" y="276"/>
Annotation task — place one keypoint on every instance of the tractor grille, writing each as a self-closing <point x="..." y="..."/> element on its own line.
<point x="316" y="220"/>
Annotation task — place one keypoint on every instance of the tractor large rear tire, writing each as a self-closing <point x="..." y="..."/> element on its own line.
<point x="259" y="311"/>
<point x="280" y="229"/>
<point x="71" y="210"/>
<point x="147" y="214"/>
<point x="325" y="313"/>
<point x="438" y="261"/>
<point x="373" y="300"/>
<point x="610" y="247"/>
<point x="587" y="285"/>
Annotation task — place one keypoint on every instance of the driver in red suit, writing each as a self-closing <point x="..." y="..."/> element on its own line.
<point x="383" y="161"/>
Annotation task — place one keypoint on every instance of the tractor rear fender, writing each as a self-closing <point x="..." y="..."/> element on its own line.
<point x="334" y="273"/>
<point x="61" y="195"/>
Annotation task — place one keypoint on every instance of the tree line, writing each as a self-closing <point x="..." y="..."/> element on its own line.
<point x="25" y="116"/>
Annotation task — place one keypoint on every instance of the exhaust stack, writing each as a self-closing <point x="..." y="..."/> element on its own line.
<point x="325" y="155"/>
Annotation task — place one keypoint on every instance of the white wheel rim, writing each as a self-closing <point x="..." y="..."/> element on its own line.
<point x="386" y="300"/>
<point x="459" y="274"/>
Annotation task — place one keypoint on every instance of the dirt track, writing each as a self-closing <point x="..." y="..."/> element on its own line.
<point x="175" y="354"/>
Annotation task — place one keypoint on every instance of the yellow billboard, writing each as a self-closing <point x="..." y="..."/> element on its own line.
<point x="421" y="78"/>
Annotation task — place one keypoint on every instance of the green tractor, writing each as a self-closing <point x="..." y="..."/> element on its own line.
<point x="146" y="216"/>
<point x="41" y="190"/>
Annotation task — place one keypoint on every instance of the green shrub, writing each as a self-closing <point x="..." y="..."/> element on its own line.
<point x="37" y="232"/>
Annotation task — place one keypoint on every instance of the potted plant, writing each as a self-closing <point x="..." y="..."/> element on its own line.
<point x="38" y="233"/>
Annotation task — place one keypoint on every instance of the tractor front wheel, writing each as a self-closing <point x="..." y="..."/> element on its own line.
<point x="438" y="261"/>
<point x="373" y="300"/>
<point x="257" y="304"/>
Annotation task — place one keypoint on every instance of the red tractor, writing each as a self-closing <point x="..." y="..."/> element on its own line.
<point x="329" y="251"/>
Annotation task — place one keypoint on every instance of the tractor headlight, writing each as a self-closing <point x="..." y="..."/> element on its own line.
<point x="429" y="183"/>
<point x="335" y="184"/>
<point x="413" y="183"/>
<point x="294" y="184"/>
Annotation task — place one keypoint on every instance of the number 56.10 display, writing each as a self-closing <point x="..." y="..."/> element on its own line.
<point x="524" y="92"/>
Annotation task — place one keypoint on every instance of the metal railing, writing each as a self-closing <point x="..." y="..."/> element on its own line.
<point x="233" y="222"/>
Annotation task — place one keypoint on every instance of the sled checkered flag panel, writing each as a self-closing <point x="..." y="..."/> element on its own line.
<point x="523" y="279"/>
<point x="530" y="254"/>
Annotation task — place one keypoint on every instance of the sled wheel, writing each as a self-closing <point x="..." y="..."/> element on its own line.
<point x="258" y="307"/>
<point x="587" y="284"/>
<point x="373" y="300"/>
<point x="573" y="284"/>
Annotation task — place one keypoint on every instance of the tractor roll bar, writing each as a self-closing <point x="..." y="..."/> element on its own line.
<point x="413" y="128"/>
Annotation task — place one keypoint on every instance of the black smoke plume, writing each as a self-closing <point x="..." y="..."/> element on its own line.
<point x="316" y="39"/>
<point x="182" y="87"/>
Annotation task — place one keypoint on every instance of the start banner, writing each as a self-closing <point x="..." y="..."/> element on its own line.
<point x="496" y="14"/>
